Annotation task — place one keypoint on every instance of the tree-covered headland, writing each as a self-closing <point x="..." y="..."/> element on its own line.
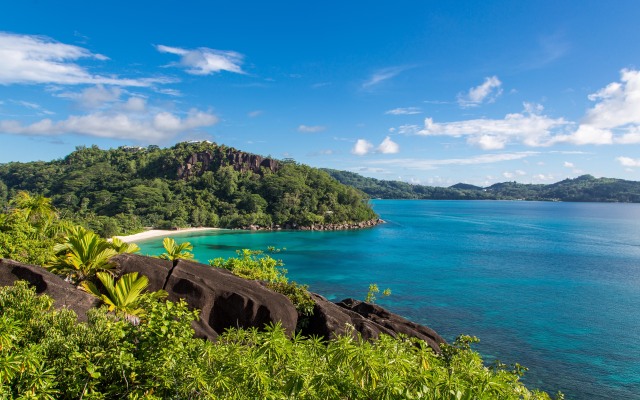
<point x="190" y="184"/>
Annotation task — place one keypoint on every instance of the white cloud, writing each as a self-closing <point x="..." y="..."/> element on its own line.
<point x="30" y="59"/>
<point x="426" y="164"/>
<point x="382" y="75"/>
<point x="388" y="146"/>
<point x="628" y="161"/>
<point x="543" y="177"/>
<point x="256" y="113"/>
<point x="528" y="127"/>
<point x="205" y="61"/>
<point x="508" y="175"/>
<point x="488" y="91"/>
<point x="404" y="111"/>
<point x="615" y="118"/>
<point x="362" y="147"/>
<point x="95" y="96"/>
<point x="311" y="128"/>
<point x="146" y="127"/>
<point x="520" y="172"/>
<point x="568" y="164"/>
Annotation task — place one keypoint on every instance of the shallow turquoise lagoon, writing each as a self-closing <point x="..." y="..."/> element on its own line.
<point x="553" y="286"/>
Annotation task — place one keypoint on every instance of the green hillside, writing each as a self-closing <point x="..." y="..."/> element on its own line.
<point x="582" y="188"/>
<point x="190" y="184"/>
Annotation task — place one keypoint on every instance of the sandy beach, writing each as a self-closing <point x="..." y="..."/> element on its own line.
<point x="152" y="233"/>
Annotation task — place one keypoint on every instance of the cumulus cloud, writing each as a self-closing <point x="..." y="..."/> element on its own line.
<point x="615" y="118"/>
<point x="628" y="161"/>
<point x="205" y="61"/>
<point x="388" y="146"/>
<point x="568" y="164"/>
<point x="30" y="59"/>
<point x="488" y="91"/>
<point x="141" y="126"/>
<point x="361" y="147"/>
<point x="311" y="128"/>
<point x="528" y="127"/>
<point x="404" y="111"/>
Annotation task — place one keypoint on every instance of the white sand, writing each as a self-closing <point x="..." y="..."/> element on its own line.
<point x="152" y="233"/>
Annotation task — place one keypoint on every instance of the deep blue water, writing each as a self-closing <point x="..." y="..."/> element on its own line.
<point x="552" y="286"/>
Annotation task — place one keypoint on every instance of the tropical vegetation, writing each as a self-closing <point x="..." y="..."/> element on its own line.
<point x="48" y="354"/>
<point x="122" y="190"/>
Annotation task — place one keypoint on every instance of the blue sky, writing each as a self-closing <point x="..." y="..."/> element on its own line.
<point x="421" y="91"/>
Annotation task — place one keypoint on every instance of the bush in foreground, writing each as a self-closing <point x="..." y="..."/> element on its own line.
<point x="46" y="353"/>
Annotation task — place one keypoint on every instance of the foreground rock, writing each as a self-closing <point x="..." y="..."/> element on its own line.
<point x="227" y="301"/>
<point x="224" y="300"/>
<point x="370" y="320"/>
<point x="64" y="294"/>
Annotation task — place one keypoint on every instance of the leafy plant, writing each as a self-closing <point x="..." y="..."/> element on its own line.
<point x="373" y="290"/>
<point x="82" y="254"/>
<point x="122" y="247"/>
<point x="174" y="252"/>
<point x="123" y="296"/>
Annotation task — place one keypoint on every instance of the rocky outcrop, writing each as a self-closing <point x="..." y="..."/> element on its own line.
<point x="227" y="301"/>
<point x="64" y="294"/>
<point x="369" y="320"/>
<point x="197" y="163"/>
<point x="393" y="322"/>
<point x="319" y="227"/>
<point x="224" y="300"/>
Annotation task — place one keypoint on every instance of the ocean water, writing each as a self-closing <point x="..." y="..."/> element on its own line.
<point x="552" y="286"/>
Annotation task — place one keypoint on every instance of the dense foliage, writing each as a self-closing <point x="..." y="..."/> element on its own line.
<point x="29" y="229"/>
<point x="121" y="190"/>
<point x="583" y="188"/>
<point x="46" y="353"/>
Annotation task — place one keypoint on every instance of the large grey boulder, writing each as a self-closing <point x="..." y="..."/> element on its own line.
<point x="227" y="301"/>
<point x="64" y="294"/>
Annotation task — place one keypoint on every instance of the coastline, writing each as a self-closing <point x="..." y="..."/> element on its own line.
<point x="154" y="233"/>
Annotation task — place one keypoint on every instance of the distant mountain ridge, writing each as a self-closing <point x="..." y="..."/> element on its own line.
<point x="585" y="188"/>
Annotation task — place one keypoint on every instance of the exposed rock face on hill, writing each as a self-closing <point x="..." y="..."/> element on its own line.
<point x="65" y="295"/>
<point x="199" y="162"/>
<point x="226" y="301"/>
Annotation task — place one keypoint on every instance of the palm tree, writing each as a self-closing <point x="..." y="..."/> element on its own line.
<point x="123" y="296"/>
<point x="175" y="251"/>
<point x="82" y="254"/>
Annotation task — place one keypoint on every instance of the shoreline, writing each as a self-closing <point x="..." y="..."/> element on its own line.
<point x="154" y="233"/>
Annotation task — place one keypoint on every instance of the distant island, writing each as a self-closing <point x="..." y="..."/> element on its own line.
<point x="585" y="188"/>
<point x="200" y="183"/>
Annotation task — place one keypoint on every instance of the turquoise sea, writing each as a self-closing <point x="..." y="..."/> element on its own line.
<point x="552" y="286"/>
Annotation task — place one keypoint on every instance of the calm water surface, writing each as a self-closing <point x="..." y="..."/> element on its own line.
<point x="553" y="286"/>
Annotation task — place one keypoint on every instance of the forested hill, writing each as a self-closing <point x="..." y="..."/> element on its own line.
<point x="190" y="184"/>
<point x="582" y="188"/>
